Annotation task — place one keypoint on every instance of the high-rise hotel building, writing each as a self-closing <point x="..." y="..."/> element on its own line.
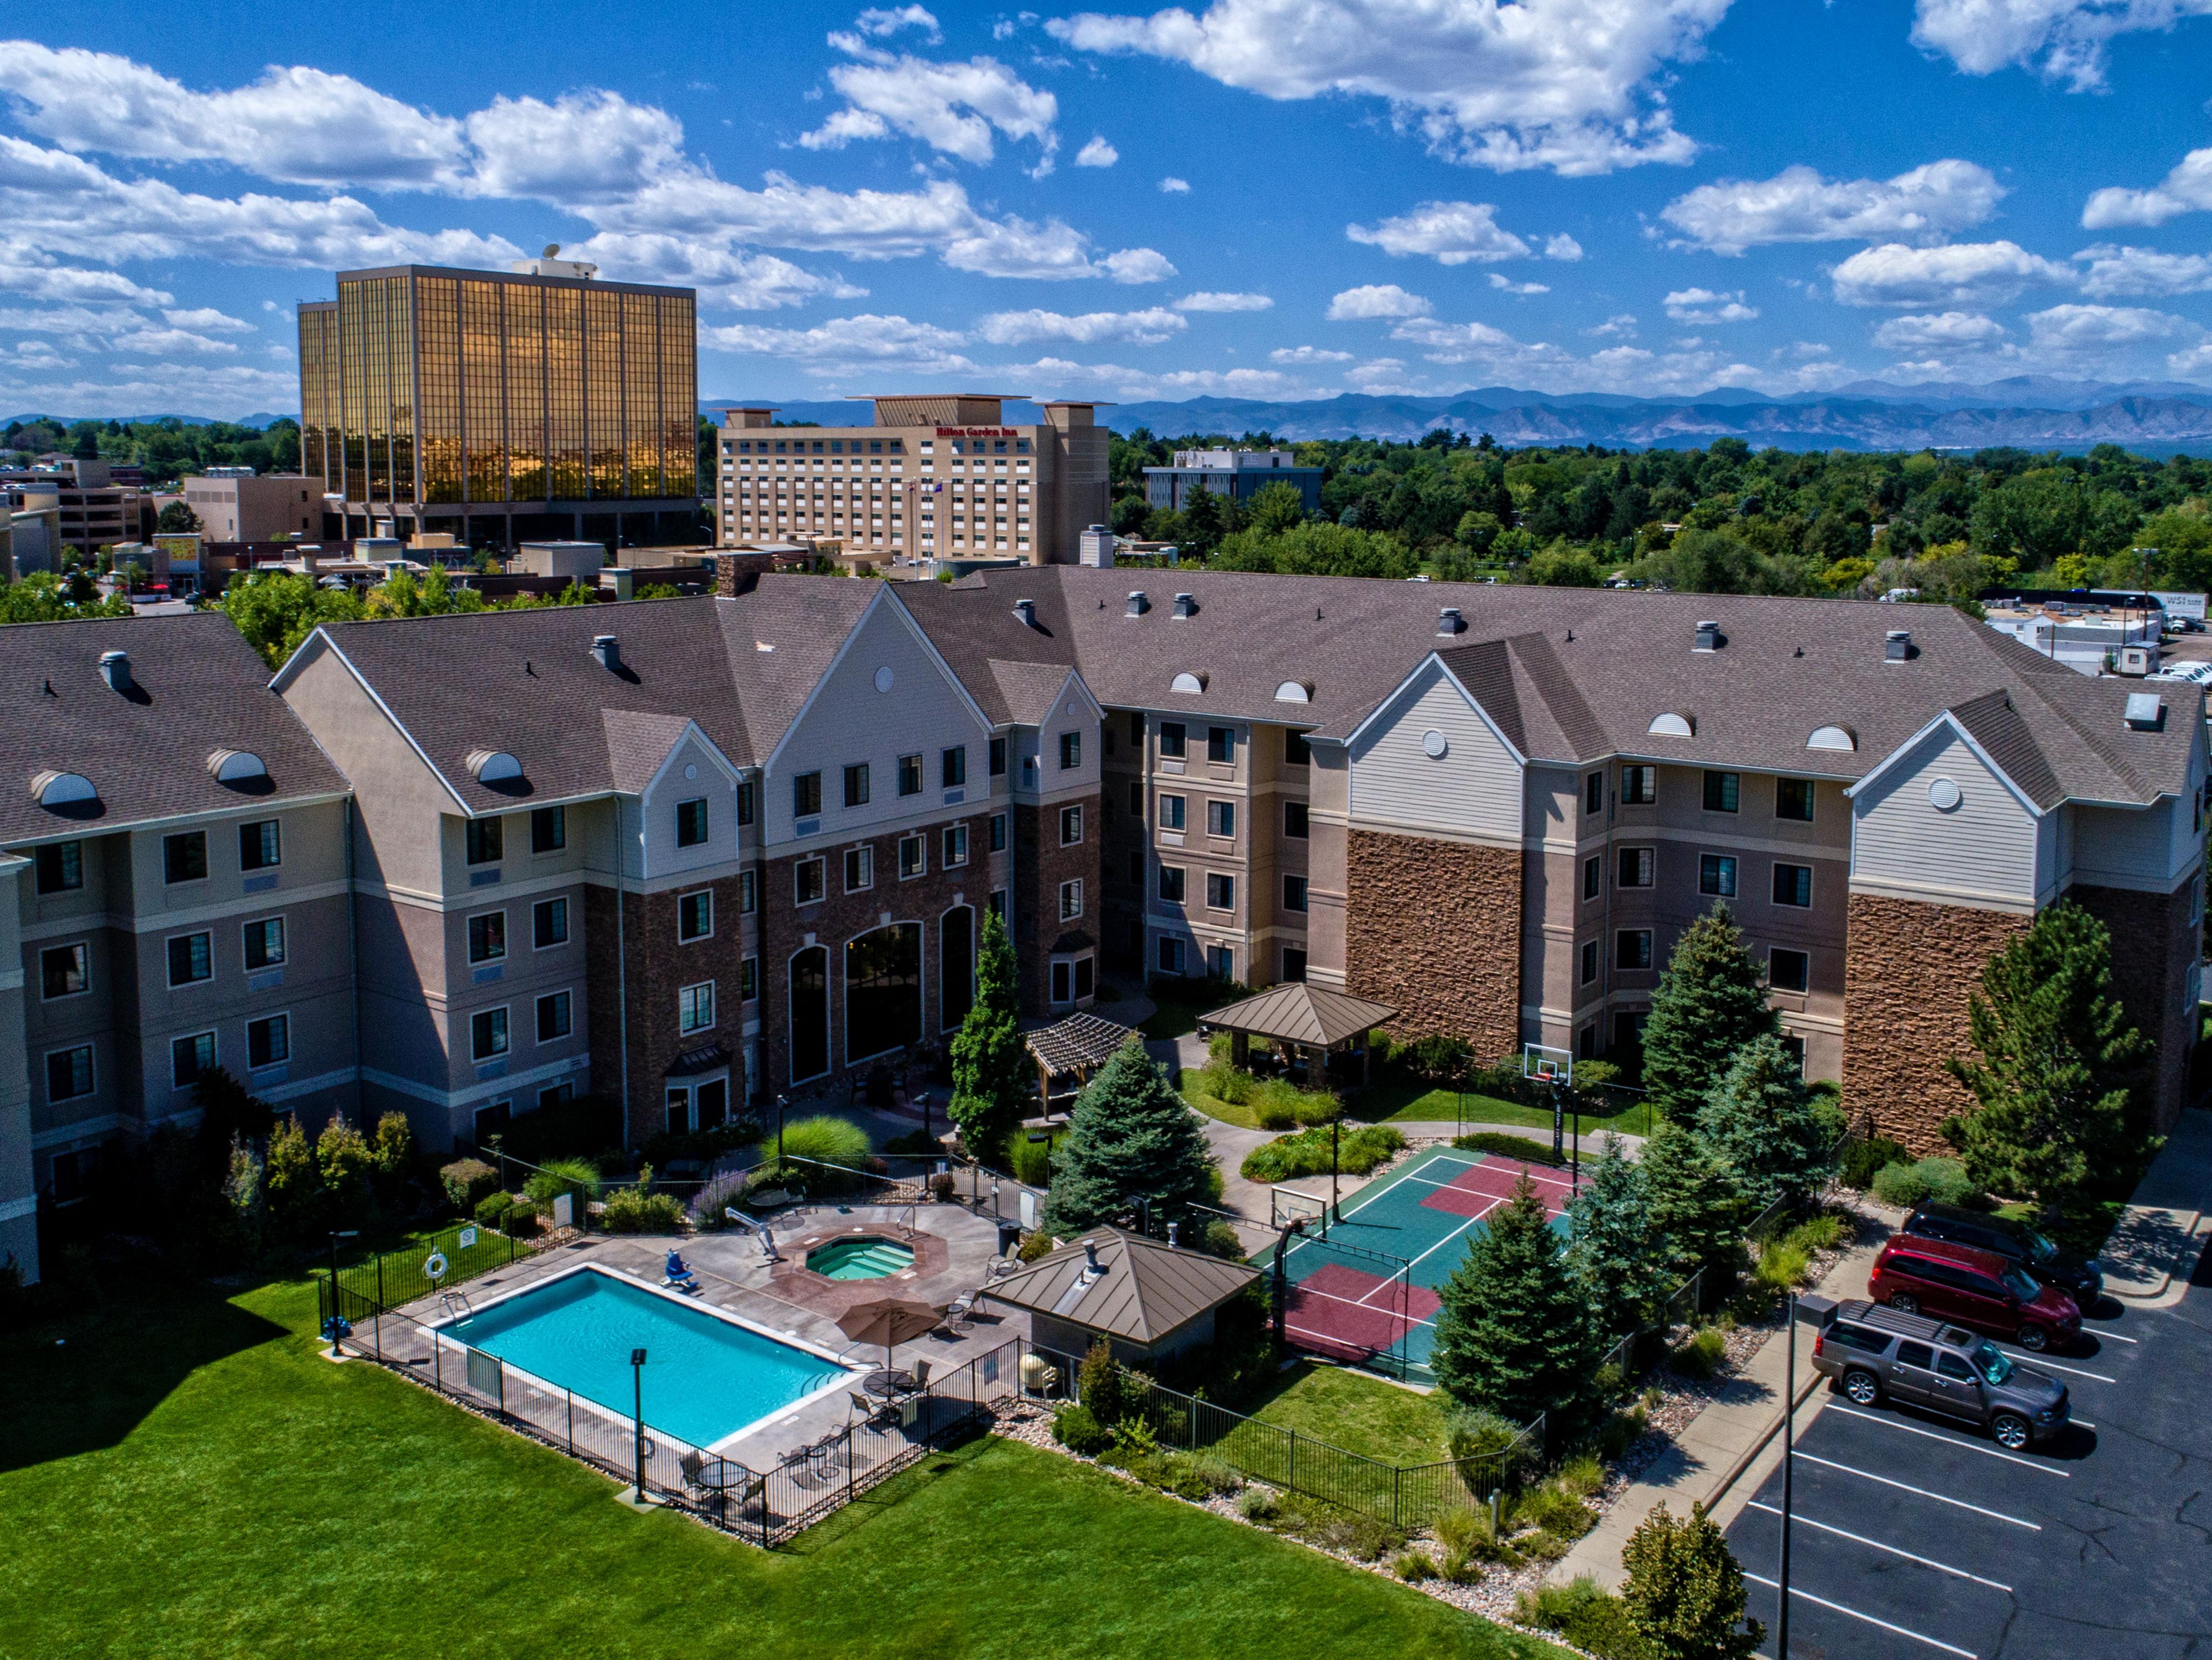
<point x="502" y="406"/>
<point x="932" y="477"/>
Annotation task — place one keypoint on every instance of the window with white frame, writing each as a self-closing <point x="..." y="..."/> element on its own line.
<point x="191" y="1059"/>
<point x="1221" y="819"/>
<point x="488" y="1036"/>
<point x="1634" y="867"/>
<point x="807" y="880"/>
<point x="694" y="915"/>
<point x="1172" y="811"/>
<point x="1793" y="886"/>
<point x="191" y="959"/>
<point x="694" y="1008"/>
<point x="913" y="857"/>
<point x="1716" y="875"/>
<point x="488" y="937"/>
<point x="555" y="1017"/>
<point x="955" y="846"/>
<point x="549" y="923"/>
<point x="69" y="1072"/>
<point x="264" y="943"/>
<point x="1221" y="891"/>
<point x="1071" y="826"/>
<point x="1294" y="893"/>
<point x="1071" y="900"/>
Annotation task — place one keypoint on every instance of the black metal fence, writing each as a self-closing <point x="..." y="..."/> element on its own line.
<point x="384" y="1280"/>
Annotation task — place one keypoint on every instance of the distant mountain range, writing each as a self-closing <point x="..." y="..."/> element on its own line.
<point x="262" y="420"/>
<point x="2036" y="412"/>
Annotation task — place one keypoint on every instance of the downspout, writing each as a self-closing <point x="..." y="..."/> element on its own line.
<point x="353" y="949"/>
<point x="621" y="955"/>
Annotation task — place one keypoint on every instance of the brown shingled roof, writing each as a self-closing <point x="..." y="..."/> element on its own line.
<point x="1139" y="1290"/>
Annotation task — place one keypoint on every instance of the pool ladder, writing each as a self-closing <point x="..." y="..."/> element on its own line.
<point x="457" y="1306"/>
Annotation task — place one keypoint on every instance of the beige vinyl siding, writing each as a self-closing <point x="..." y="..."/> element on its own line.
<point x="2140" y="848"/>
<point x="715" y="782"/>
<point x="1474" y="790"/>
<point x="1985" y="851"/>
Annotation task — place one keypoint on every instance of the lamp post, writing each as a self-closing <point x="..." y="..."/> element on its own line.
<point x="1789" y="1411"/>
<point x="781" y="1102"/>
<point x="1335" y="1128"/>
<point x="637" y="1415"/>
<point x="336" y="1234"/>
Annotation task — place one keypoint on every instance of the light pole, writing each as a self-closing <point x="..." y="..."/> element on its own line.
<point x="781" y="1102"/>
<point x="1789" y="1411"/>
<point x="637" y="1415"/>
<point x="1335" y="1128"/>
<point x="336" y="1324"/>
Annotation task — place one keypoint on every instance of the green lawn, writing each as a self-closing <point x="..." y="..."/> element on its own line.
<point x="183" y="1477"/>
<point x="1359" y="1413"/>
<point x="1389" y="1102"/>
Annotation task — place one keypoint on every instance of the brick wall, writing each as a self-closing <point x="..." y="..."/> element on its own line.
<point x="2153" y="946"/>
<point x="658" y="967"/>
<point x="1909" y="970"/>
<point x="1041" y="865"/>
<point x="1434" y="928"/>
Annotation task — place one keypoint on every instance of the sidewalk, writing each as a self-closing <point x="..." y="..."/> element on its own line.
<point x="2155" y="1244"/>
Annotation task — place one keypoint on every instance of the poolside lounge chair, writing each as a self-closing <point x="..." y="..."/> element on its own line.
<point x="677" y="1276"/>
<point x="921" y="1375"/>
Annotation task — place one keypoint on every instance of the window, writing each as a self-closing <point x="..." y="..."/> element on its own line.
<point x="1296" y="754"/>
<point x="488" y="937"/>
<point x="1721" y="789"/>
<point x="856" y="784"/>
<point x="1639" y="786"/>
<point x="1793" y="798"/>
<point x="260" y="846"/>
<point x="555" y="1017"/>
<point x="1137" y="728"/>
<point x="1136" y="798"/>
<point x="484" y="841"/>
<point x="1634" y="867"/>
<point x="748" y="892"/>
<point x="1593" y="876"/>
<point x="911" y="857"/>
<point x="486" y="1034"/>
<point x="60" y="866"/>
<point x="691" y="823"/>
<point x="1071" y="750"/>
<point x="1594" y="793"/>
<point x="1063" y="983"/>
<point x="1294" y="893"/>
<point x="69" y="1073"/>
<point x="1294" y="963"/>
<point x="184" y="858"/>
<point x="1170" y="955"/>
<point x="748" y="980"/>
<point x="909" y="774"/>
<point x="694" y="915"/>
<point x="1632" y="949"/>
<point x="807" y="882"/>
<point x="1221" y="744"/>
<point x="1171" y="883"/>
<point x="265" y="945"/>
<point x="952" y="767"/>
<point x="1588" y="965"/>
<point x="745" y="809"/>
<point x="190" y="1059"/>
<point x="810" y="1012"/>
<point x="807" y="795"/>
<point x="1071" y="900"/>
<point x="694" y="1008"/>
<point x="64" y="970"/>
<point x="1716" y="874"/>
<point x="998" y="757"/>
<point x="1788" y="971"/>
<point x="1173" y="809"/>
<point x="860" y="869"/>
<point x="955" y="846"/>
<point x="1220" y="963"/>
<point x="1172" y="740"/>
<point x="998" y="832"/>
<point x="1793" y="886"/>
<point x="1221" y="891"/>
<point x="191" y="959"/>
<point x="549" y="923"/>
<point x="997" y="904"/>
<point x="1071" y="826"/>
<point x="548" y="830"/>
<point x="1294" y="821"/>
<point x="1221" y="819"/>
<point x="1628" y="1030"/>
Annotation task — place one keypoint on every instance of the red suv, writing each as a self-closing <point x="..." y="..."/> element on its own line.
<point x="1977" y="1288"/>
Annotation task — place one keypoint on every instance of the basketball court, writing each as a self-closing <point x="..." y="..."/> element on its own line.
<point x="1365" y="1292"/>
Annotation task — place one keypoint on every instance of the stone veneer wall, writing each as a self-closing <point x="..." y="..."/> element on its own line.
<point x="1909" y="969"/>
<point x="2154" y="945"/>
<point x="1041" y="865"/>
<point x="1434" y="928"/>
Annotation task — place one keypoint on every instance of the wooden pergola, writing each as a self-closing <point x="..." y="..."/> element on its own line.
<point x="1073" y="1047"/>
<point x="1305" y="1020"/>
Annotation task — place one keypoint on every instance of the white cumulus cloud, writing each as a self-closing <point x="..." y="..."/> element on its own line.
<point x="171" y="343"/>
<point x="1798" y="205"/>
<point x="1505" y="284"/>
<point x="1955" y="274"/>
<point x="1172" y="186"/>
<point x="869" y="340"/>
<point x="2092" y="329"/>
<point x="1097" y="154"/>
<point x="1562" y="246"/>
<point x="1207" y="300"/>
<point x="1138" y="265"/>
<point x="2059" y="40"/>
<point x="1938" y="330"/>
<point x="880" y="21"/>
<point x="954" y="108"/>
<point x="1705" y="306"/>
<point x="1301" y="355"/>
<point x="1143" y="328"/>
<point x="1376" y="300"/>
<point x="206" y="319"/>
<point x="2186" y="189"/>
<point x="1451" y="232"/>
<point x="2108" y="270"/>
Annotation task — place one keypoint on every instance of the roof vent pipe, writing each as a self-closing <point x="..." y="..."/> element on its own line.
<point x="608" y="650"/>
<point x="1897" y="646"/>
<point x="115" y="669"/>
<point x="1709" y="636"/>
<point x="1171" y="1235"/>
<point x="1186" y="604"/>
<point x="1449" y="621"/>
<point x="1026" y="609"/>
<point x="1091" y="1256"/>
<point x="1138" y="604"/>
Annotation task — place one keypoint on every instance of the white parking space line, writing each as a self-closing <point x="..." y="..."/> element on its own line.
<point x="1906" y="1487"/>
<point x="2043" y="1363"/>
<point x="1948" y="1441"/>
<point x="2102" y="1335"/>
<point x="1822" y="1601"/>
<point x="2083" y="1422"/>
<point x="1798" y="1520"/>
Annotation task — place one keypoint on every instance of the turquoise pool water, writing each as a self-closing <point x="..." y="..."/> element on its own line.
<point x="704" y="1377"/>
<point x="859" y="1259"/>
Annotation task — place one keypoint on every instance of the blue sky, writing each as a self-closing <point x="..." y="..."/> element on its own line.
<point x="1279" y="198"/>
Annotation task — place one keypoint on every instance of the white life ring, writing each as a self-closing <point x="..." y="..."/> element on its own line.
<point x="434" y="1265"/>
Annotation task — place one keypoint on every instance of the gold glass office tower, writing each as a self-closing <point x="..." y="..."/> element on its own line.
<point x="502" y="407"/>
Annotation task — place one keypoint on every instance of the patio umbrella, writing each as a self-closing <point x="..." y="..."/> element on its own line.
<point x="889" y="1321"/>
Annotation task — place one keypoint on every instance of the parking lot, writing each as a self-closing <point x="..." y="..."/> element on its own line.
<point x="1916" y="1536"/>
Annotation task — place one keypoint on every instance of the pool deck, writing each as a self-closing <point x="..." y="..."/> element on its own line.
<point x="954" y="1247"/>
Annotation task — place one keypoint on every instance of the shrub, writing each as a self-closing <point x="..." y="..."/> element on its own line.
<point x="1700" y="1355"/>
<point x="635" y="1210"/>
<point x="719" y="1194"/>
<point x="1075" y="1428"/>
<point x="825" y="1138"/>
<point x="1464" y="1537"/>
<point x="577" y="1128"/>
<point x="1591" y="1076"/>
<point x="1030" y="1159"/>
<point x="1508" y="1146"/>
<point x="578" y="1177"/>
<point x="1221" y="1239"/>
<point x="1274" y="1115"/>
<point x="465" y="1181"/>
<point x="1904" y="1186"/>
<point x="1556" y="1511"/>
<point x="1581" y="1475"/>
<point x="1622" y="1431"/>
<point x="1114" y="1397"/>
<point x="1820" y="1233"/>
<point x="1594" y="1621"/>
<point x="1414" y="1566"/>
<point x="491" y="1210"/>
<point x="1214" y="1472"/>
<point x="1471" y="1433"/>
<point x="1306" y="1154"/>
<point x="1035" y="1244"/>
<point x="1783" y="1265"/>
<point x="1360" y="1537"/>
<point x="1437" y="1057"/>
<point x="1258" y="1504"/>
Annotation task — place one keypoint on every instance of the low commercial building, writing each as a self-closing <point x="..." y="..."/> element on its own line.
<point x="2087" y="639"/>
<point x="234" y="504"/>
<point x="33" y="540"/>
<point x="94" y="509"/>
<point x="1233" y="474"/>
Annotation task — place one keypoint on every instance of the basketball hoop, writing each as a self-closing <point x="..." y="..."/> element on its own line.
<point x="1546" y="1065"/>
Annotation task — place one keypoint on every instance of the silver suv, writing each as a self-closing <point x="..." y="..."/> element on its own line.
<point x="1872" y="1353"/>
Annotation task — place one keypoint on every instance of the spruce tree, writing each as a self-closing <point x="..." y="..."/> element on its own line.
<point x="1685" y="1590"/>
<point x="2057" y="1066"/>
<point x="1130" y="1138"/>
<point x="1708" y="1004"/>
<point x="991" y="1078"/>
<point x="1760" y="1118"/>
<point x="1697" y="1208"/>
<point x="1512" y="1337"/>
<point x="1609" y="1242"/>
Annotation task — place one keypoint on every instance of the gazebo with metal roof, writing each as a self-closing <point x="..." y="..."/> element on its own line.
<point x="1305" y="1019"/>
<point x="1075" y="1047"/>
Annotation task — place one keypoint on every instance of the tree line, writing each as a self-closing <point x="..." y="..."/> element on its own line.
<point x="168" y="449"/>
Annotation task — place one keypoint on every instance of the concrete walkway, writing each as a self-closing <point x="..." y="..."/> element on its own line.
<point x="2156" y="1243"/>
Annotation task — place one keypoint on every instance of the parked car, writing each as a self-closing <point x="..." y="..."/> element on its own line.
<point x="2081" y="1279"/>
<point x="1874" y="1354"/>
<point x="1977" y="1288"/>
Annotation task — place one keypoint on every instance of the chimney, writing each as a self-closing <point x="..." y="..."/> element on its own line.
<point x="1138" y="604"/>
<point x="1449" y="621"/>
<point x="1186" y="604"/>
<point x="1026" y="609"/>
<point x="1708" y="637"/>
<point x="1897" y="646"/>
<point x="608" y="650"/>
<point x="115" y="669"/>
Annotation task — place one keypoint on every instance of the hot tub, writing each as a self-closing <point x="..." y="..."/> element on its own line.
<point x="861" y="1256"/>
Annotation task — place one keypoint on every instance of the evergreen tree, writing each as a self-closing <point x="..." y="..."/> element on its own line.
<point x="1130" y="1137"/>
<point x="2058" y="1063"/>
<point x="1609" y="1239"/>
<point x="992" y="1080"/>
<point x="1760" y="1118"/>
<point x="1696" y="1209"/>
<point x="1685" y="1590"/>
<point x="1708" y="1004"/>
<point x="1512" y="1337"/>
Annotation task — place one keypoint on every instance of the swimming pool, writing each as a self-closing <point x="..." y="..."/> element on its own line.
<point x="861" y="1257"/>
<point x="706" y="1377"/>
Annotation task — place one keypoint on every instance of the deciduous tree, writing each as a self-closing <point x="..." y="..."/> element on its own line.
<point x="1685" y="1590"/>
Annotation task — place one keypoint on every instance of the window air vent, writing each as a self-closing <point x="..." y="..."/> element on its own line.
<point x="1186" y="604"/>
<point x="235" y="766"/>
<point x="1449" y="621"/>
<point x="1897" y="646"/>
<point x="493" y="767"/>
<point x="1294" y="692"/>
<point x="1708" y="637"/>
<point x="1138" y="604"/>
